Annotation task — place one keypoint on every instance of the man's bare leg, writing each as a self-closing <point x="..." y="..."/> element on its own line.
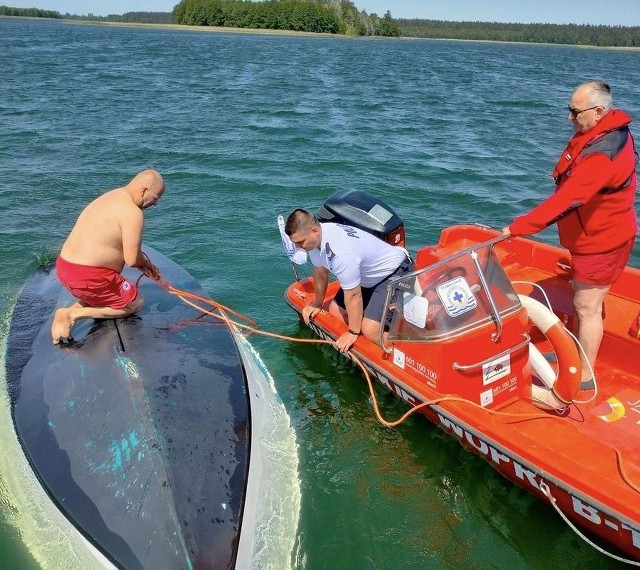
<point x="337" y="311"/>
<point x="66" y="317"/>
<point x="369" y="328"/>
<point x="587" y="302"/>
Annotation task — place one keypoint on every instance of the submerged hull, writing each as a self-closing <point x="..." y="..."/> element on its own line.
<point x="139" y="431"/>
<point x="585" y="459"/>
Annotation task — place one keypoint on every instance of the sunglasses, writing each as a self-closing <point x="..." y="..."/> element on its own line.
<point x="575" y="113"/>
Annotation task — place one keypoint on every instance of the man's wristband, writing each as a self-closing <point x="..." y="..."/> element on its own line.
<point x="354" y="332"/>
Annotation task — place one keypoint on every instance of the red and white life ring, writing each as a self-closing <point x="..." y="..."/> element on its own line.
<point x="560" y="389"/>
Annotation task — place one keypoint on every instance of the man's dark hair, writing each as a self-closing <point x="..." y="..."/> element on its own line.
<point x="300" y="220"/>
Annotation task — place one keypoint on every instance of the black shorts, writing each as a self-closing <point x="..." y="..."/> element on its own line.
<point x="373" y="298"/>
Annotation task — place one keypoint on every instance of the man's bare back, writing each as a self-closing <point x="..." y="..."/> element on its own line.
<point x="108" y="232"/>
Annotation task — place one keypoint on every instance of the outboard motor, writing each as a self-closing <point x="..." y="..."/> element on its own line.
<point x="364" y="211"/>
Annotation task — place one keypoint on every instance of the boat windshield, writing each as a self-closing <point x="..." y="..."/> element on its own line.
<point x="461" y="292"/>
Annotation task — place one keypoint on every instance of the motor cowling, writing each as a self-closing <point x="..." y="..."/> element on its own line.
<point x="364" y="211"/>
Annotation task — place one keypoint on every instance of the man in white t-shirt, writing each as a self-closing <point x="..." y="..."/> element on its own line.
<point x="361" y="262"/>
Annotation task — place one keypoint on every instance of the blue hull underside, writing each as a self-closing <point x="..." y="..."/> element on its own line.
<point x="139" y="431"/>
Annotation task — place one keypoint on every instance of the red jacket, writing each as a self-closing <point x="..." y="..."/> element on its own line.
<point x="595" y="193"/>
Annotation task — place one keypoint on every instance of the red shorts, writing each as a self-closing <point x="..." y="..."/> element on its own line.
<point x="601" y="268"/>
<point x="96" y="286"/>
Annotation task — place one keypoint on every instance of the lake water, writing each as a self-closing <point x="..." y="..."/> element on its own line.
<point x="245" y="127"/>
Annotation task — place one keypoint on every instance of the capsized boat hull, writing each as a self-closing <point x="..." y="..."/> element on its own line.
<point x="140" y="431"/>
<point x="585" y="459"/>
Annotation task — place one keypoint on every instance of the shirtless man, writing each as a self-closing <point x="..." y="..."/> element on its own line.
<point x="107" y="234"/>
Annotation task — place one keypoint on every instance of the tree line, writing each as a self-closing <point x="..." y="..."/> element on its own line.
<point x="28" y="12"/>
<point x="573" y="34"/>
<point x="343" y="17"/>
<point x="321" y="16"/>
<point x="129" y="17"/>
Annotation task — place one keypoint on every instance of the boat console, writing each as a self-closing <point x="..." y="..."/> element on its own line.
<point x="460" y="314"/>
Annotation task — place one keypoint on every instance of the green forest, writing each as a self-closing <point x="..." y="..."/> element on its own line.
<point x="129" y="17"/>
<point x="343" y="17"/>
<point x="321" y="16"/>
<point x="573" y="34"/>
<point x="28" y="12"/>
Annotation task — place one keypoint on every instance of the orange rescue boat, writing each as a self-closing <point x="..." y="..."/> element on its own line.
<point x="466" y="344"/>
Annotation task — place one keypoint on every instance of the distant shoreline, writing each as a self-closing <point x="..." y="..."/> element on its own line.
<point x="261" y="31"/>
<point x="315" y="34"/>
<point x="204" y="28"/>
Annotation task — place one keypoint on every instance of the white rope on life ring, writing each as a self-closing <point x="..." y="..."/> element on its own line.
<point x="559" y="390"/>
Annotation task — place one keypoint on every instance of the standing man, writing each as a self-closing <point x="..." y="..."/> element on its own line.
<point x="107" y="234"/>
<point x="362" y="264"/>
<point x="594" y="207"/>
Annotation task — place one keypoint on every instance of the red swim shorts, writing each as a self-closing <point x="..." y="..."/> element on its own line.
<point x="96" y="286"/>
<point x="601" y="268"/>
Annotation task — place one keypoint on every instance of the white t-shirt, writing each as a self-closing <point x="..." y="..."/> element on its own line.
<point x="354" y="256"/>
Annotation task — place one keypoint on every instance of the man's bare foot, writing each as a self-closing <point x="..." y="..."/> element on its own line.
<point x="61" y="326"/>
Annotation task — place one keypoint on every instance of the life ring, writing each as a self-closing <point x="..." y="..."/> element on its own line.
<point x="560" y="389"/>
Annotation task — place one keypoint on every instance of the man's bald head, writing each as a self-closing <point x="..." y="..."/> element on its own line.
<point x="146" y="188"/>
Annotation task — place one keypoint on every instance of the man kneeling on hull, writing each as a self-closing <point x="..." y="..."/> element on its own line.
<point x="361" y="262"/>
<point x="107" y="234"/>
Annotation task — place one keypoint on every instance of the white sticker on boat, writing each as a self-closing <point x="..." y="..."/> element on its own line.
<point x="398" y="358"/>
<point x="456" y="296"/>
<point x="486" y="398"/>
<point x="415" y="309"/>
<point x="496" y="369"/>
<point x="380" y="214"/>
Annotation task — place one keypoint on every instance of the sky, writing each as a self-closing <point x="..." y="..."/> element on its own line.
<point x="605" y="12"/>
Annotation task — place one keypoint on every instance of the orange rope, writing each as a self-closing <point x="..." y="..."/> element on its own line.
<point x="185" y="296"/>
<point x="251" y="327"/>
<point x="623" y="473"/>
<point x="153" y="274"/>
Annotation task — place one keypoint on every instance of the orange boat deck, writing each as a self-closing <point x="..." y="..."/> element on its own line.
<point x="600" y="435"/>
